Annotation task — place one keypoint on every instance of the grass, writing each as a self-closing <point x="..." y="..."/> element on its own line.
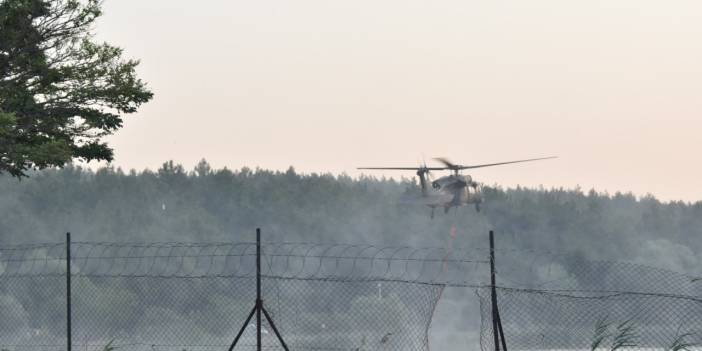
<point x="622" y="335"/>
<point x="109" y="346"/>
<point x="680" y="342"/>
<point x="601" y="333"/>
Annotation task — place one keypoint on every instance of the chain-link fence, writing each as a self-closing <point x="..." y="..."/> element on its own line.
<point x="191" y="296"/>
<point x="574" y="304"/>
<point x="180" y="296"/>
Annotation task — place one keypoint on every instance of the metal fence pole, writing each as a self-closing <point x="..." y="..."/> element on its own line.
<point x="495" y="331"/>
<point x="258" y="307"/>
<point x="259" y="302"/>
<point x="498" y="333"/>
<point x="68" y="292"/>
<point x="502" y="333"/>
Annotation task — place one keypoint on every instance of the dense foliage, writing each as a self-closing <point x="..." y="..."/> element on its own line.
<point x="172" y="204"/>
<point x="60" y="91"/>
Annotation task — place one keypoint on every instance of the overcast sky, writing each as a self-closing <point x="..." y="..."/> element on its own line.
<point x="611" y="87"/>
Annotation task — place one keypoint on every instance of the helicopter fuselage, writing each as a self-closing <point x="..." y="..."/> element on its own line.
<point x="461" y="188"/>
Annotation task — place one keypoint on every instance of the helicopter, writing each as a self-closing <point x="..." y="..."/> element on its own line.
<point x="454" y="190"/>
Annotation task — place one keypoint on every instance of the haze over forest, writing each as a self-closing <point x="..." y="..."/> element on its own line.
<point x="205" y="204"/>
<point x="221" y="205"/>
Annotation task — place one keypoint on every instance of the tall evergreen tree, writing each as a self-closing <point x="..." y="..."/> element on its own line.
<point x="60" y="91"/>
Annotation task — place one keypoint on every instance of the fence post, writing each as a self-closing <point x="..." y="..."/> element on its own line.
<point x="259" y="302"/>
<point x="258" y="307"/>
<point x="68" y="292"/>
<point x="493" y="292"/>
<point x="498" y="333"/>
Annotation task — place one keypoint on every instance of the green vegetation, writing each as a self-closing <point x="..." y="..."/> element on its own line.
<point x="600" y="335"/>
<point x="60" y="91"/>
<point x="205" y="204"/>
<point x="109" y="346"/>
<point x="682" y="342"/>
<point x="614" y="336"/>
<point x="624" y="336"/>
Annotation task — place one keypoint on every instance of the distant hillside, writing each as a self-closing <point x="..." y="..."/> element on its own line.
<point x="173" y="204"/>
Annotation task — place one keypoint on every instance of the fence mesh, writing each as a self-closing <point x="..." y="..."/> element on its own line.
<point x="574" y="304"/>
<point x="185" y="296"/>
<point x="177" y="296"/>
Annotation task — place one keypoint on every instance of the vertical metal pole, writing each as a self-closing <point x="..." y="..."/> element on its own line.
<point x="502" y="333"/>
<point x="68" y="291"/>
<point x="259" y="302"/>
<point x="495" y="330"/>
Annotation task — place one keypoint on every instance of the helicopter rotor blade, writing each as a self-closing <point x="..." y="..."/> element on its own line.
<point x="446" y="162"/>
<point x="452" y="166"/>
<point x="505" y="163"/>
<point x="405" y="168"/>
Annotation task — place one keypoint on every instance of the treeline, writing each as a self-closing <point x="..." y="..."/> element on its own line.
<point x="205" y="204"/>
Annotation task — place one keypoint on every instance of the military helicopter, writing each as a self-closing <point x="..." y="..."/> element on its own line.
<point x="454" y="190"/>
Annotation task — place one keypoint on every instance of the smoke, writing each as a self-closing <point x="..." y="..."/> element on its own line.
<point x="532" y="225"/>
<point x="668" y="255"/>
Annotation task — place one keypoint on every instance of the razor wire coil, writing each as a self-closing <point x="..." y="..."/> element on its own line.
<point x="192" y="296"/>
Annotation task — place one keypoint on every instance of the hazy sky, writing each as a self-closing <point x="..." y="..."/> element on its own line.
<point x="612" y="87"/>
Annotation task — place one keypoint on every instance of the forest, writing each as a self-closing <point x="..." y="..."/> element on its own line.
<point x="205" y="205"/>
<point x="222" y="205"/>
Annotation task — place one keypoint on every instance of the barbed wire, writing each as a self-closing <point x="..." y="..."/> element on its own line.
<point x="460" y="267"/>
<point x="280" y="260"/>
<point x="325" y="294"/>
